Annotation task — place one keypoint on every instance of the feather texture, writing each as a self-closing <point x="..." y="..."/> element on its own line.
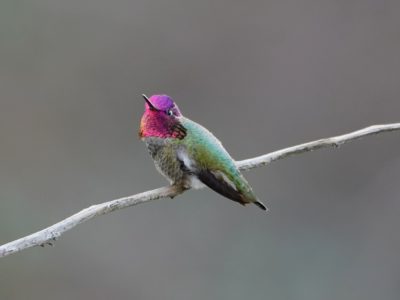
<point x="186" y="152"/>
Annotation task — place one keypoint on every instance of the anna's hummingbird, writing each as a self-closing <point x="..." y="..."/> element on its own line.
<point x="188" y="154"/>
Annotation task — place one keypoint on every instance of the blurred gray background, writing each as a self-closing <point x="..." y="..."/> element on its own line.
<point x="262" y="75"/>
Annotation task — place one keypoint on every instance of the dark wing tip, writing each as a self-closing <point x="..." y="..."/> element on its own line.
<point x="222" y="187"/>
<point x="218" y="184"/>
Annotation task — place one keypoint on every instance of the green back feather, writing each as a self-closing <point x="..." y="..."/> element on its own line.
<point x="209" y="153"/>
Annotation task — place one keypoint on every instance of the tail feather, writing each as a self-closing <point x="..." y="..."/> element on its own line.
<point x="261" y="205"/>
<point x="250" y="197"/>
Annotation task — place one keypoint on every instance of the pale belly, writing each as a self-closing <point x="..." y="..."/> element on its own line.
<point x="171" y="164"/>
<point x="165" y="159"/>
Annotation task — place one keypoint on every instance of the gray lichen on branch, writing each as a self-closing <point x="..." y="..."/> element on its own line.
<point x="50" y="234"/>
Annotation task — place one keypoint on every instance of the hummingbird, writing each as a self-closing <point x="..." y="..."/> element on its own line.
<point x="188" y="154"/>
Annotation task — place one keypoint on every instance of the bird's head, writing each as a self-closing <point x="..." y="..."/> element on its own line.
<point x="161" y="118"/>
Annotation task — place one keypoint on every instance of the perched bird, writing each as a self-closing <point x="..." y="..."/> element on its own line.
<point x="188" y="154"/>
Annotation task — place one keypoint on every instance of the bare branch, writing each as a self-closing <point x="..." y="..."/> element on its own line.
<point x="50" y="234"/>
<point x="335" y="141"/>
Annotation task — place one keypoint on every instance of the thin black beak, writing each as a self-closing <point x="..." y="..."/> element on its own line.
<point x="148" y="102"/>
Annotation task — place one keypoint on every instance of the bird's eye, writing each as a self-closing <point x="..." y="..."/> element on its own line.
<point x="170" y="112"/>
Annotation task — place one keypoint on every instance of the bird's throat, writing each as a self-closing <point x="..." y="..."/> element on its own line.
<point x="154" y="124"/>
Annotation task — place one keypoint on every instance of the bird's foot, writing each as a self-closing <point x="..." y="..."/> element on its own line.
<point x="178" y="189"/>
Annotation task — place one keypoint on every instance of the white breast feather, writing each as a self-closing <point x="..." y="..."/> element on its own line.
<point x="190" y="164"/>
<point x="187" y="161"/>
<point x="195" y="183"/>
